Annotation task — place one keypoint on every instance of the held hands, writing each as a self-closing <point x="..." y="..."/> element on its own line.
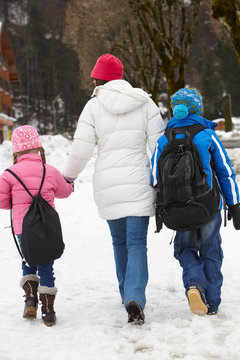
<point x="234" y="213"/>
<point x="69" y="181"/>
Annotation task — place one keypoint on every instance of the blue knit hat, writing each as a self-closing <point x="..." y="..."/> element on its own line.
<point x="186" y="101"/>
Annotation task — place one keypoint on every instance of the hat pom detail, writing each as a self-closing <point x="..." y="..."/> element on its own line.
<point x="180" y="111"/>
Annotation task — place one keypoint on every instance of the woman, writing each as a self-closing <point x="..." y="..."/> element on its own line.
<point x="122" y="121"/>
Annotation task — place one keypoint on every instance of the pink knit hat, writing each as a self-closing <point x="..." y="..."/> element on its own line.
<point x="25" y="138"/>
<point x="107" y="67"/>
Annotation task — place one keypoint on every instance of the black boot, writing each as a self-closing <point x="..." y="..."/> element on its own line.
<point x="29" y="283"/>
<point x="135" y="313"/>
<point x="47" y="297"/>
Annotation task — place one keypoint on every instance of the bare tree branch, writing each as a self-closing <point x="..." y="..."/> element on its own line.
<point x="160" y="36"/>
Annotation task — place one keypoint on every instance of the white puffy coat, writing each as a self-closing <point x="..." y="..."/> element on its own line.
<point x="121" y="120"/>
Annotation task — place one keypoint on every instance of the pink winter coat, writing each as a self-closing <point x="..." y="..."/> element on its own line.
<point x="29" y="168"/>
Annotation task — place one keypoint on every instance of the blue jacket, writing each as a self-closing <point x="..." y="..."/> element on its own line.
<point x="209" y="146"/>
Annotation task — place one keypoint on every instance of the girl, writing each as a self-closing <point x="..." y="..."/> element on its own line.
<point x="28" y="165"/>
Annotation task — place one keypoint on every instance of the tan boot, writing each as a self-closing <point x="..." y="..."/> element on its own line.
<point x="30" y="283"/>
<point x="197" y="302"/>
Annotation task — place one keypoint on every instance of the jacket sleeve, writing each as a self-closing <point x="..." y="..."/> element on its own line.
<point x="83" y="144"/>
<point x="63" y="189"/>
<point x="155" y="126"/>
<point x="5" y="192"/>
<point x="162" y="141"/>
<point x="224" y="171"/>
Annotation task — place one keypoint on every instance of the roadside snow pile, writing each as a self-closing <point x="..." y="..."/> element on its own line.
<point x="230" y="135"/>
<point x="57" y="149"/>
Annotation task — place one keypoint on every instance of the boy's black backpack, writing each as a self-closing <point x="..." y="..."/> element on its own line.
<point x="41" y="230"/>
<point x="184" y="199"/>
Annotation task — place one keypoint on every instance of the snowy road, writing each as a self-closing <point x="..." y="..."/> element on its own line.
<point x="91" y="320"/>
<point x="92" y="323"/>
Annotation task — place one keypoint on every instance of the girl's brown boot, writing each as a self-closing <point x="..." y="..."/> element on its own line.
<point x="30" y="283"/>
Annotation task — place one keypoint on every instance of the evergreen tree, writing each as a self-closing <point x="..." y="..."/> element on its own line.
<point x="229" y="70"/>
<point x="211" y="89"/>
<point x="228" y="13"/>
<point x="47" y="67"/>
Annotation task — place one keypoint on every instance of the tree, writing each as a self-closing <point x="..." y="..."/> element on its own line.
<point x="89" y="30"/>
<point x="164" y="30"/>
<point x="47" y="67"/>
<point x="141" y="66"/>
<point x="211" y="86"/>
<point x="228" y="13"/>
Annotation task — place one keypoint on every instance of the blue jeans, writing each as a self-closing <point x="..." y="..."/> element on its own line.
<point x="129" y="239"/>
<point x="45" y="271"/>
<point x="202" y="265"/>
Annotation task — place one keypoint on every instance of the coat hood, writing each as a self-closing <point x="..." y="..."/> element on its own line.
<point x="191" y="119"/>
<point x="119" y="97"/>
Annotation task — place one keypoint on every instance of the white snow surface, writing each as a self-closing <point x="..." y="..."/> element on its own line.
<point x="91" y="321"/>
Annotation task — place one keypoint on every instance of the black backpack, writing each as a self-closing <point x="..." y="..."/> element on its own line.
<point x="184" y="199"/>
<point x="42" y="239"/>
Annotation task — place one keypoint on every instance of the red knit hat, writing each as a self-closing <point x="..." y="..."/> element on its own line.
<point x="107" y="67"/>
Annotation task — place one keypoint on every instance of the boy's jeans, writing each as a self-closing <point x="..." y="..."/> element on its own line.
<point x="202" y="266"/>
<point x="129" y="238"/>
<point x="45" y="271"/>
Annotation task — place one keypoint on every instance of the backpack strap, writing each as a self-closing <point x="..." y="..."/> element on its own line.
<point x="22" y="183"/>
<point x="196" y="237"/>
<point x="43" y="177"/>
<point x="15" y="240"/>
<point x="190" y="131"/>
<point x="195" y="129"/>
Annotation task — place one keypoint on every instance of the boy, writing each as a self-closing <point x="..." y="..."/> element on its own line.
<point x="201" y="264"/>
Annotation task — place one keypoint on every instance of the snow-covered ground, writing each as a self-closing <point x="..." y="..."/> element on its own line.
<point x="92" y="323"/>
